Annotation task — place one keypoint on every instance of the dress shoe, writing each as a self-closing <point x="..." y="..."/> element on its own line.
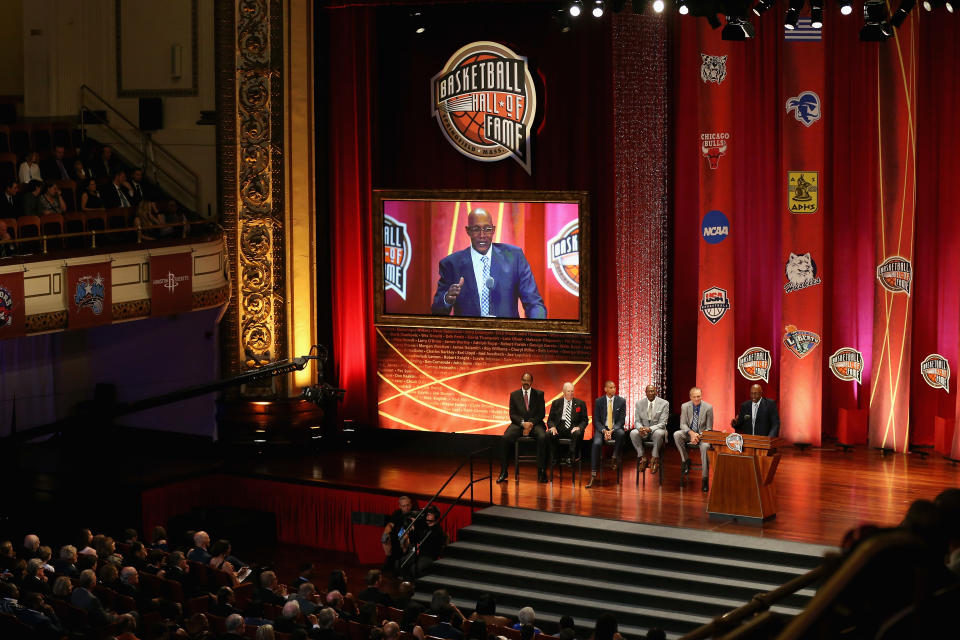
<point x="705" y="485"/>
<point x="685" y="467"/>
<point x="541" y="475"/>
<point x="593" y="479"/>
<point x="613" y="464"/>
<point x="654" y="465"/>
<point x="502" y="477"/>
<point x="643" y="464"/>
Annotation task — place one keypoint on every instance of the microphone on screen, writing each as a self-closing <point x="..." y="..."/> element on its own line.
<point x="491" y="283"/>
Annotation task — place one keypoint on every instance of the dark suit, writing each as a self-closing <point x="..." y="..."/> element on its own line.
<point x="44" y="624"/>
<point x="512" y="277"/>
<point x="520" y="413"/>
<point x="9" y="206"/>
<point x="600" y="423"/>
<point x="372" y="594"/>
<point x="445" y="630"/>
<point x="112" y="199"/>
<point x="83" y="599"/>
<point x="578" y="418"/>
<point x="767" y="422"/>
<point x="51" y="169"/>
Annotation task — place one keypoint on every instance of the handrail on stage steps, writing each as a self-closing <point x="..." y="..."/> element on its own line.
<point x="456" y="501"/>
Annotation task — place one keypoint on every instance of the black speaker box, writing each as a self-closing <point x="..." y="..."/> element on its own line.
<point x="151" y="114"/>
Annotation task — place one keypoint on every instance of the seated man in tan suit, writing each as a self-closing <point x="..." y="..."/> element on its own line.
<point x="696" y="417"/>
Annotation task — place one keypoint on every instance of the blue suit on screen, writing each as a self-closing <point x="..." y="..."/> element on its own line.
<point x="513" y="281"/>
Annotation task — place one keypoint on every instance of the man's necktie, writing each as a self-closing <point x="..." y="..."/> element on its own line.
<point x="484" y="291"/>
<point x="649" y="411"/>
<point x="753" y="419"/>
<point x="124" y="203"/>
<point x="696" y="420"/>
<point x="566" y="413"/>
<point x="526" y="399"/>
<point x="609" y="413"/>
<point x="63" y="171"/>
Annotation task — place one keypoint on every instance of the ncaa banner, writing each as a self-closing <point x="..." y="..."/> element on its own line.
<point x="171" y="284"/>
<point x="802" y="232"/>
<point x="889" y="426"/>
<point x="88" y="290"/>
<point x="716" y="358"/>
<point x="12" y="318"/>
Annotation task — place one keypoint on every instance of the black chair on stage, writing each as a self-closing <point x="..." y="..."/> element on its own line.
<point x="576" y="465"/>
<point x="643" y="473"/>
<point x="525" y="458"/>
<point x="619" y="461"/>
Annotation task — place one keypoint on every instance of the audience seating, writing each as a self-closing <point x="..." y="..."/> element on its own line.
<point x="8" y="167"/>
<point x="20" y="139"/>
<point x="95" y="221"/>
<point x="29" y="227"/>
<point x="41" y="138"/>
<point x="11" y="226"/>
<point x="4" y="138"/>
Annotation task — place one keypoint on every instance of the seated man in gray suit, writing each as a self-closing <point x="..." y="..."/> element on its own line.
<point x="650" y="424"/>
<point x="696" y="417"/>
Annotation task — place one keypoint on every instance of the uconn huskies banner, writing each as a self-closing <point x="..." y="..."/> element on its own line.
<point x="719" y="79"/>
<point x="802" y="215"/>
<point x="89" y="302"/>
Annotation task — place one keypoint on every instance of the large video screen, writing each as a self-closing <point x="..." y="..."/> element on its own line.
<point x="466" y="258"/>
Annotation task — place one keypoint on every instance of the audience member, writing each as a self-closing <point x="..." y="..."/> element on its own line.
<point x="373" y="593"/>
<point x="234" y="626"/>
<point x="307" y="598"/>
<point x="305" y="574"/>
<point x="136" y="186"/>
<point x="410" y="617"/>
<point x="5" y="249"/>
<point x="30" y="201"/>
<point x="80" y="171"/>
<point x="567" y="634"/>
<point x="477" y="630"/>
<point x="219" y="560"/>
<point x="198" y="627"/>
<point x="443" y="628"/>
<point x="40" y="617"/>
<point x="201" y="542"/>
<point x="87" y="561"/>
<point x="149" y="216"/>
<point x="10" y="200"/>
<point x="391" y="631"/>
<point x="441" y="598"/>
<point x="336" y="602"/>
<point x="270" y="591"/>
<point x="85" y="540"/>
<point x="324" y="631"/>
<point x="51" y="200"/>
<point x="136" y="555"/>
<point x="83" y="598"/>
<point x="62" y="587"/>
<point x="9" y="598"/>
<point x="109" y="576"/>
<point x="404" y="595"/>
<point x="286" y="622"/>
<point x="130" y="536"/>
<point x="606" y="628"/>
<point x="526" y="616"/>
<point x="45" y="554"/>
<point x="29" y="169"/>
<point x="127" y="623"/>
<point x="367" y="614"/>
<point x="55" y="167"/>
<point x="430" y="539"/>
<point x="527" y="632"/>
<point x="396" y="526"/>
<point x="566" y="622"/>
<point x="159" y="540"/>
<point x="90" y="200"/>
<point x="338" y="581"/>
<point x="265" y="632"/>
<point x="35" y="580"/>
<point x="106" y="165"/>
<point x="118" y="194"/>
<point x="486" y="610"/>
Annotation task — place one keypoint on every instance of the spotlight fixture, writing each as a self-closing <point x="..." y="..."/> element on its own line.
<point x="576" y="8"/>
<point x="419" y="25"/>
<point x="598" y="9"/>
<point x="737" y="28"/>
<point x="793" y="14"/>
<point x="683" y="9"/>
<point x="930" y="5"/>
<point x="900" y="15"/>
<point x="763" y="6"/>
<point x="658" y="6"/>
<point x="816" y="13"/>
<point x="875" y="26"/>
<point x="845" y="7"/>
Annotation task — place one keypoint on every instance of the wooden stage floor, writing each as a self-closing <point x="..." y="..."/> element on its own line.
<point x="821" y="493"/>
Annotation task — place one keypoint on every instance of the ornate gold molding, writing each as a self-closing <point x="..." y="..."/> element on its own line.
<point x="249" y="46"/>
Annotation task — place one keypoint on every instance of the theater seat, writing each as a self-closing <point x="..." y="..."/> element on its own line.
<point x="74" y="223"/>
<point x="29" y="227"/>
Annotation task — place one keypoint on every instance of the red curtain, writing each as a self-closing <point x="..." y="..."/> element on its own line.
<point x="306" y="515"/>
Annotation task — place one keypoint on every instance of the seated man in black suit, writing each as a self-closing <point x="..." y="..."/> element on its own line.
<point x="526" y="418"/>
<point x="118" y="193"/>
<point x="82" y="597"/>
<point x="270" y="590"/>
<point x="758" y="416"/>
<point x="609" y="416"/>
<point x="10" y="199"/>
<point x="40" y="617"/>
<point x="373" y="593"/>
<point x="443" y="628"/>
<point x="56" y="166"/>
<point x="568" y="419"/>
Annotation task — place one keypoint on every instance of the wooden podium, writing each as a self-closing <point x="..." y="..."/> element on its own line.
<point x="743" y="480"/>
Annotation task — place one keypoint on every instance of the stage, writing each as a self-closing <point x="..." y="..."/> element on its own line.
<point x="821" y="493"/>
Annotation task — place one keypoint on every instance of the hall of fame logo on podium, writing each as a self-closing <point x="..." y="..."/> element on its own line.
<point x="734" y="442"/>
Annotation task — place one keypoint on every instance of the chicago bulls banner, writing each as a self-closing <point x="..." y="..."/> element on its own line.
<point x="892" y="319"/>
<point x="88" y="291"/>
<point x="12" y="317"/>
<point x="802" y="213"/>
<point x="716" y="359"/>
<point x="171" y="284"/>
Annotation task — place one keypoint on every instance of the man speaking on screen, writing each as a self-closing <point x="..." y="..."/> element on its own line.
<point x="486" y="279"/>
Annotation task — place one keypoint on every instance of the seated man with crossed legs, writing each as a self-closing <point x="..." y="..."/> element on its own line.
<point x="696" y="417"/>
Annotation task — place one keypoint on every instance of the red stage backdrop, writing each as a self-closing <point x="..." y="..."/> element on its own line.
<point x="546" y="231"/>
<point x="88" y="292"/>
<point x="12" y="319"/>
<point x="171" y="279"/>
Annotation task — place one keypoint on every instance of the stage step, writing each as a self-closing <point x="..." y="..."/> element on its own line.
<point x="648" y="576"/>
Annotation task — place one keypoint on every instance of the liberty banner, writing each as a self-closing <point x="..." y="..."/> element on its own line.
<point x="716" y="361"/>
<point x="171" y="283"/>
<point x="12" y="317"/>
<point x="802" y="232"/>
<point x="88" y="291"/>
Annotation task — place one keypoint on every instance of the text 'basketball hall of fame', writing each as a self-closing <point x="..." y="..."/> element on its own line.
<point x="485" y="102"/>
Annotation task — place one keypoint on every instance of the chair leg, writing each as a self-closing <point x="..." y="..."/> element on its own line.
<point x="516" y="460"/>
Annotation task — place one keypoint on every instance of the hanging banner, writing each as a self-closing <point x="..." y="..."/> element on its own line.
<point x="889" y="426"/>
<point x="716" y="359"/>
<point x="171" y="284"/>
<point x="88" y="290"/>
<point x="802" y="214"/>
<point x="12" y="317"/>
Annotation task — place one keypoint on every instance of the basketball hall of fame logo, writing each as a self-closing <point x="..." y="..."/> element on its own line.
<point x="895" y="275"/>
<point x="754" y="364"/>
<point x="396" y="256"/>
<point x="847" y="364"/>
<point x="714" y="304"/>
<point x="564" y="252"/>
<point x="485" y="102"/>
<point x="936" y="371"/>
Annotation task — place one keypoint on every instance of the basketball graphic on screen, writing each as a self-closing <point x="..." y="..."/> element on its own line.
<point x="485" y="102"/>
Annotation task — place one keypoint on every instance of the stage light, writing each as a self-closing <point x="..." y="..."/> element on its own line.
<point x="737" y="28"/>
<point x="900" y="15"/>
<point x="763" y="6"/>
<point x="793" y="14"/>
<point x="845" y="7"/>
<point x="576" y="8"/>
<point x="930" y="5"/>
<point x="598" y="9"/>
<point x="683" y="8"/>
<point x="419" y="26"/>
<point x="816" y="14"/>
<point x="875" y="28"/>
<point x="658" y="6"/>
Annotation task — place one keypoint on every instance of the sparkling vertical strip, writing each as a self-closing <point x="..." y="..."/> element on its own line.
<point x="640" y="180"/>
